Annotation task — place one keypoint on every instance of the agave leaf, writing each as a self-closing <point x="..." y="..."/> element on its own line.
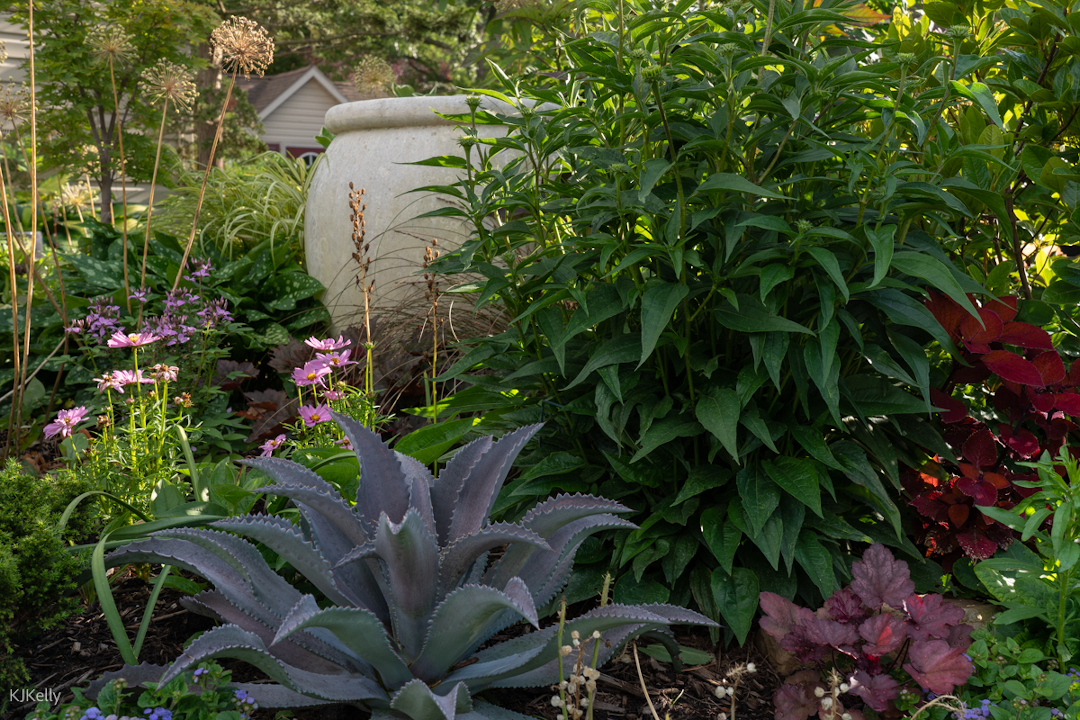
<point x="214" y="605"/>
<point x="285" y="539"/>
<point x="459" y="622"/>
<point x="188" y="556"/>
<point x="290" y="474"/>
<point x="231" y="641"/>
<point x="272" y="590"/>
<point x="411" y="559"/>
<point x="327" y="507"/>
<point x="382" y="481"/>
<point x="549" y="517"/>
<point x="540" y="566"/>
<point x="461" y="555"/>
<point x="419" y="481"/>
<point x="481" y="486"/>
<point x="278" y="697"/>
<point x="360" y="552"/>
<point x="486" y="711"/>
<point x="417" y="701"/>
<point x="355" y="628"/>
<point x="447" y="486"/>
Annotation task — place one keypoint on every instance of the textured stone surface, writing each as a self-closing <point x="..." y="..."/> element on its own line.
<point x="372" y="139"/>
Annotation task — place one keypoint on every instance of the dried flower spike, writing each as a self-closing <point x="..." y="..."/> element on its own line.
<point x="109" y="43"/>
<point x="169" y="81"/>
<point x="242" y="45"/>
<point x="14" y="102"/>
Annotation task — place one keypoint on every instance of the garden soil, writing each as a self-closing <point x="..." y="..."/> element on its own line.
<point x="82" y="648"/>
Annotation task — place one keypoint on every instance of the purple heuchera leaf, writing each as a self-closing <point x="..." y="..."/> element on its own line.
<point x="875" y="690"/>
<point x="795" y="702"/>
<point x="883" y="634"/>
<point x="960" y="636"/>
<point x="932" y="616"/>
<point x="780" y="614"/>
<point x="832" y="634"/>
<point x="845" y="606"/>
<point x="937" y="667"/>
<point x="799" y="643"/>
<point x="880" y="578"/>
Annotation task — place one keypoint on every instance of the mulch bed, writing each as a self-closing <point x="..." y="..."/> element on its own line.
<point x="81" y="649"/>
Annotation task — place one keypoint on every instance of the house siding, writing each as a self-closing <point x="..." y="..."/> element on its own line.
<point x="18" y="49"/>
<point x="299" y="119"/>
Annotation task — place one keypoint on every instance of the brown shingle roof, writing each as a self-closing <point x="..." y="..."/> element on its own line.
<point x="264" y="90"/>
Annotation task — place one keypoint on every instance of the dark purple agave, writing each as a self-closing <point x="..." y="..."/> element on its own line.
<point x="406" y="594"/>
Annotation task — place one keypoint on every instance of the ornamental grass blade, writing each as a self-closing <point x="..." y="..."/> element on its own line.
<point x="358" y="630"/>
<point x="382" y="480"/>
<point x="411" y="559"/>
<point x="461" y="621"/>
<point x="481" y="486"/>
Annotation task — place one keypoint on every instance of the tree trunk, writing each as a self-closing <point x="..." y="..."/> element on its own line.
<point x="105" y="183"/>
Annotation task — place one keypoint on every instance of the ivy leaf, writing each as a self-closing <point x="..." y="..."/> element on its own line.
<point x="876" y="690"/>
<point x="880" y="578"/>
<point x="883" y="634"/>
<point x="932" y="616"/>
<point x="937" y="667"/>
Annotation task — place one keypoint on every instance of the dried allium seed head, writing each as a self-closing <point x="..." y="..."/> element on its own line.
<point x="242" y="45"/>
<point x="170" y="82"/>
<point x="14" y="102"/>
<point x="109" y="43"/>
<point x="75" y="196"/>
<point x="3" y="51"/>
<point x="373" y="75"/>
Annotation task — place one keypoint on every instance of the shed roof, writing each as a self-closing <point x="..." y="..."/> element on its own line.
<point x="268" y="93"/>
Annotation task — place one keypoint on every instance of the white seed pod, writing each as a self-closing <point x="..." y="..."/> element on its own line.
<point x="751" y="668"/>
<point x="844" y="687"/>
<point x="720" y="692"/>
<point x="819" y="692"/>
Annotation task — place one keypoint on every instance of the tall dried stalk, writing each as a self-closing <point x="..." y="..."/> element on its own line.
<point x="14" y="314"/>
<point x="431" y="254"/>
<point x="242" y="46"/>
<point x="363" y="259"/>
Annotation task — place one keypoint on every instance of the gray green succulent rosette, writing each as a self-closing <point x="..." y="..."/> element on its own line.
<point x="408" y="594"/>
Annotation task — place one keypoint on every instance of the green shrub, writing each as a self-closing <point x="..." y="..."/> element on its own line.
<point x="37" y="574"/>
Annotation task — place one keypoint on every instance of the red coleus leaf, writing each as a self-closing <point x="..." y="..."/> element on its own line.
<point x="1026" y="336"/>
<point x="883" y="634"/>
<point x="976" y="544"/>
<point x="930" y="505"/>
<point x="952" y="409"/>
<point x="1023" y="443"/>
<point x="1043" y="402"/>
<point x="946" y="311"/>
<point x="880" y="578"/>
<point x="1005" y="307"/>
<point x="1067" y="402"/>
<point x="780" y="614"/>
<point x="977" y="336"/>
<point x="932" y="616"/>
<point x="1011" y="366"/>
<point x="875" y="690"/>
<point x="980" y="449"/>
<point x="844" y="606"/>
<point x="1050" y="367"/>
<point x="937" y="667"/>
<point x="959" y="514"/>
<point x="1073" y="378"/>
<point x="982" y="491"/>
<point x="795" y="702"/>
<point x="1009" y="404"/>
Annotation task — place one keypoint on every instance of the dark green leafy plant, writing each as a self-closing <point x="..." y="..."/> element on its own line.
<point x="408" y="592"/>
<point x="714" y="271"/>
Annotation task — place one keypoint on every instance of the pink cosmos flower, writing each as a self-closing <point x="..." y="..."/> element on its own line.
<point x="65" y="422"/>
<point x="328" y="343"/>
<point x="119" y="340"/>
<point x="165" y="373"/>
<point x="312" y="372"/>
<point x="332" y="395"/>
<point x="314" y="415"/>
<point x="344" y="442"/>
<point x="129" y="377"/>
<point x="335" y="359"/>
<point x="270" y="446"/>
<point x="108" y="381"/>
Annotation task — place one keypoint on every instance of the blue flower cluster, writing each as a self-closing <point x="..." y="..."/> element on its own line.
<point x="158" y="713"/>
<point x="976" y="713"/>
<point x="245" y="703"/>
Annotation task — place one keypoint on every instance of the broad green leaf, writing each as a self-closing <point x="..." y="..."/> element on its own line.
<point x="816" y="561"/>
<point x="827" y="385"/>
<point x="657" y="306"/>
<point x="933" y="272"/>
<point x="721" y="537"/>
<point x="760" y="497"/>
<point x="429" y="442"/>
<point x="735" y="183"/>
<point x="875" y="395"/>
<point x="702" y="478"/>
<point x="981" y="94"/>
<point x="718" y="410"/>
<point x="814" y="443"/>
<point x="798" y="477"/>
<point x="622" y="349"/>
<point x="792" y="515"/>
<point x="883" y="242"/>
<point x="905" y="310"/>
<point x="752" y="421"/>
<point x="736" y="595"/>
<point x="664" y="431"/>
<point x="771" y="276"/>
<point x="828" y="262"/>
<point x="752" y="316"/>
<point x="654" y="170"/>
<point x="862" y="473"/>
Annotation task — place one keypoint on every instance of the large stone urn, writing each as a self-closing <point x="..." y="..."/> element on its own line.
<point x="373" y="139"/>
